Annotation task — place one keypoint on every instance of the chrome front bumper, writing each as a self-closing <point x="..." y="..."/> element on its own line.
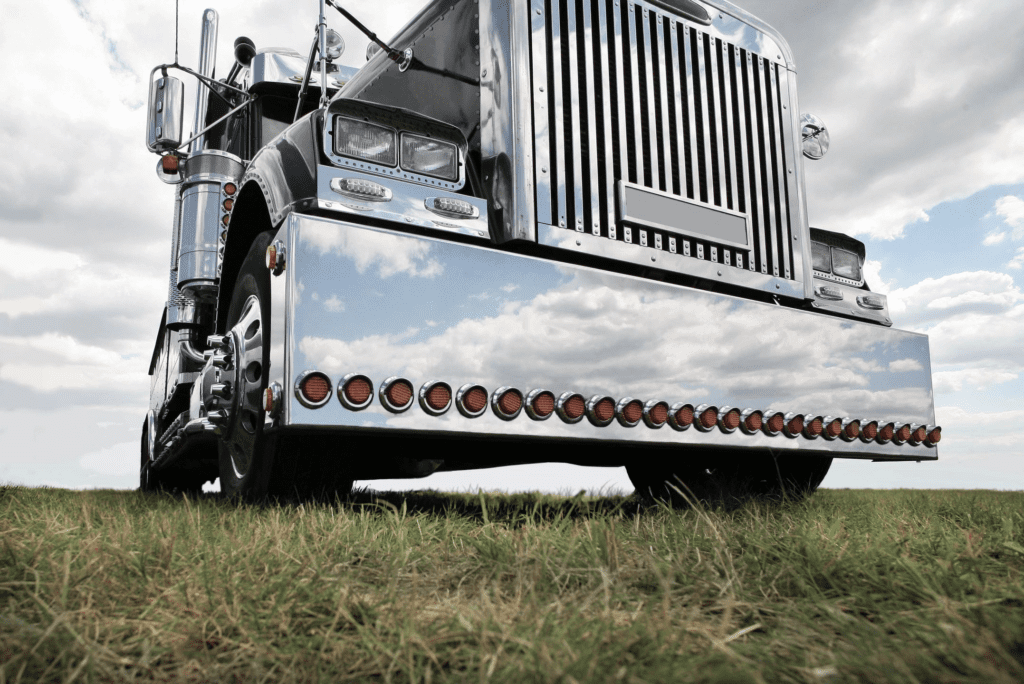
<point x="356" y="299"/>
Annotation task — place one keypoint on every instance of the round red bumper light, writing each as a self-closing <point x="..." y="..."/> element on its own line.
<point x="902" y="435"/>
<point x="753" y="421"/>
<point x="834" y="428"/>
<point x="708" y="417"/>
<point x="507" y="402"/>
<point x="852" y="430"/>
<point x="731" y="420"/>
<point x="228" y="203"/>
<point x="919" y="435"/>
<point x="471" y="400"/>
<point x="396" y="394"/>
<point x="655" y="414"/>
<point x="435" y="397"/>
<point x="886" y="433"/>
<point x="169" y="163"/>
<point x="775" y="423"/>
<point x="230" y="189"/>
<point x="540" y="404"/>
<point x="313" y="389"/>
<point x="633" y="411"/>
<point x="869" y="431"/>
<point x="601" y="410"/>
<point x="355" y="392"/>
<point x="680" y="416"/>
<point x="571" y="407"/>
<point x="814" y="428"/>
<point x="934" y="436"/>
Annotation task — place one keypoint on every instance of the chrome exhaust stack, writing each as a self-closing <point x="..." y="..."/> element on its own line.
<point x="207" y="64"/>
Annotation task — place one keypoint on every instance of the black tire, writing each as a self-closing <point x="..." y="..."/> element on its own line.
<point x="253" y="465"/>
<point x="730" y="479"/>
<point x="245" y="456"/>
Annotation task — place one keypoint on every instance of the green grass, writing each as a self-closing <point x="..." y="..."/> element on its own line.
<point x="850" y="586"/>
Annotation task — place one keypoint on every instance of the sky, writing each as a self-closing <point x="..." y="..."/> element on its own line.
<point x="924" y="101"/>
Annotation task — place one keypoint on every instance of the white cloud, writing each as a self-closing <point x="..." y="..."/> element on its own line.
<point x="979" y="379"/>
<point x="334" y="305"/>
<point x="904" y="365"/>
<point x="1018" y="259"/>
<point x="994" y="238"/>
<point x="1012" y="210"/>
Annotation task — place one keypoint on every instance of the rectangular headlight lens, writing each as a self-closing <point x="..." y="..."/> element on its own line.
<point x="845" y="264"/>
<point x="821" y="258"/>
<point x="430" y="157"/>
<point x="366" y="141"/>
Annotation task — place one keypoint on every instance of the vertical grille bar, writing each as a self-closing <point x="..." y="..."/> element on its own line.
<point x="742" y="164"/>
<point x="715" y="114"/>
<point x="704" y="95"/>
<point x="755" y="209"/>
<point x="575" y="112"/>
<point x="541" y="118"/>
<point x="562" y="181"/>
<point x="593" y="132"/>
<point x="666" y="122"/>
<point x="619" y="58"/>
<point x="728" y="137"/>
<point x="766" y="152"/>
<point x="777" y="190"/>
<point x="638" y="137"/>
<point x="606" y="106"/>
<point x="652" y="124"/>
<point x="691" y="96"/>
<point x="685" y="186"/>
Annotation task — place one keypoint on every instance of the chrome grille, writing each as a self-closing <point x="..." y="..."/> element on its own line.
<point x="631" y="93"/>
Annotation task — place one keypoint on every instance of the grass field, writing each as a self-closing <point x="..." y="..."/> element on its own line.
<point x="851" y="586"/>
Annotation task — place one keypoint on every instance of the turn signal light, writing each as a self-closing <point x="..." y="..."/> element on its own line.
<point x="680" y="416"/>
<point x="451" y="207"/>
<point x="359" y="188"/>
<point x="169" y="163"/>
<point x="396" y="394"/>
<point x="471" y="400"/>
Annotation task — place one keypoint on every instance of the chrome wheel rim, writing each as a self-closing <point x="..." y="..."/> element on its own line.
<point x="246" y="423"/>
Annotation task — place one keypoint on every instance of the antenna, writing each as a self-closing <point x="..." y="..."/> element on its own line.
<point x="175" y="31"/>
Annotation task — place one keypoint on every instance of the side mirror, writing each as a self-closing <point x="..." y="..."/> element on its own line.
<point x="166" y="110"/>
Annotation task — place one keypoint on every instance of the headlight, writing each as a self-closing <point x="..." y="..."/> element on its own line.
<point x="821" y="257"/>
<point x="845" y="264"/>
<point x="430" y="157"/>
<point x="366" y="141"/>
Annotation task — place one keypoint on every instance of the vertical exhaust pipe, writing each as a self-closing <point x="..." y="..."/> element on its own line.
<point x="207" y="63"/>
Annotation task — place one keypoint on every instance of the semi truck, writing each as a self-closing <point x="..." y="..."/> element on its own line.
<point x="522" y="232"/>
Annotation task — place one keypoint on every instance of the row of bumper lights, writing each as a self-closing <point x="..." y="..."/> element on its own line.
<point x="355" y="392"/>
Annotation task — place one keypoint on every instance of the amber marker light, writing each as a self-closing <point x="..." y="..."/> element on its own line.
<point x="228" y="203"/>
<point x="918" y="434"/>
<point x="169" y="163"/>
<point x="507" y="402"/>
<point x="570" y="407"/>
<point x="851" y="429"/>
<point x="833" y="427"/>
<point x="680" y="416"/>
<point x="655" y="413"/>
<point x="540" y="404"/>
<point x="396" y="394"/>
<point x="934" y="436"/>
<point x="814" y="426"/>
<point x="869" y="431"/>
<point x="230" y="189"/>
<point x="600" y="410"/>
<point x="355" y="392"/>
<point x="629" y="411"/>
<point x="313" y="389"/>
<point x="435" y="397"/>
<point x="902" y="435"/>
<point x="471" y="400"/>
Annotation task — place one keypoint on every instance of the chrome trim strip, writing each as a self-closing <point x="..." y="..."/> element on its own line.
<point x="780" y="173"/>
<point x="755" y="165"/>
<point x="523" y="133"/>
<point x="593" y="132"/>
<point x="770" y="222"/>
